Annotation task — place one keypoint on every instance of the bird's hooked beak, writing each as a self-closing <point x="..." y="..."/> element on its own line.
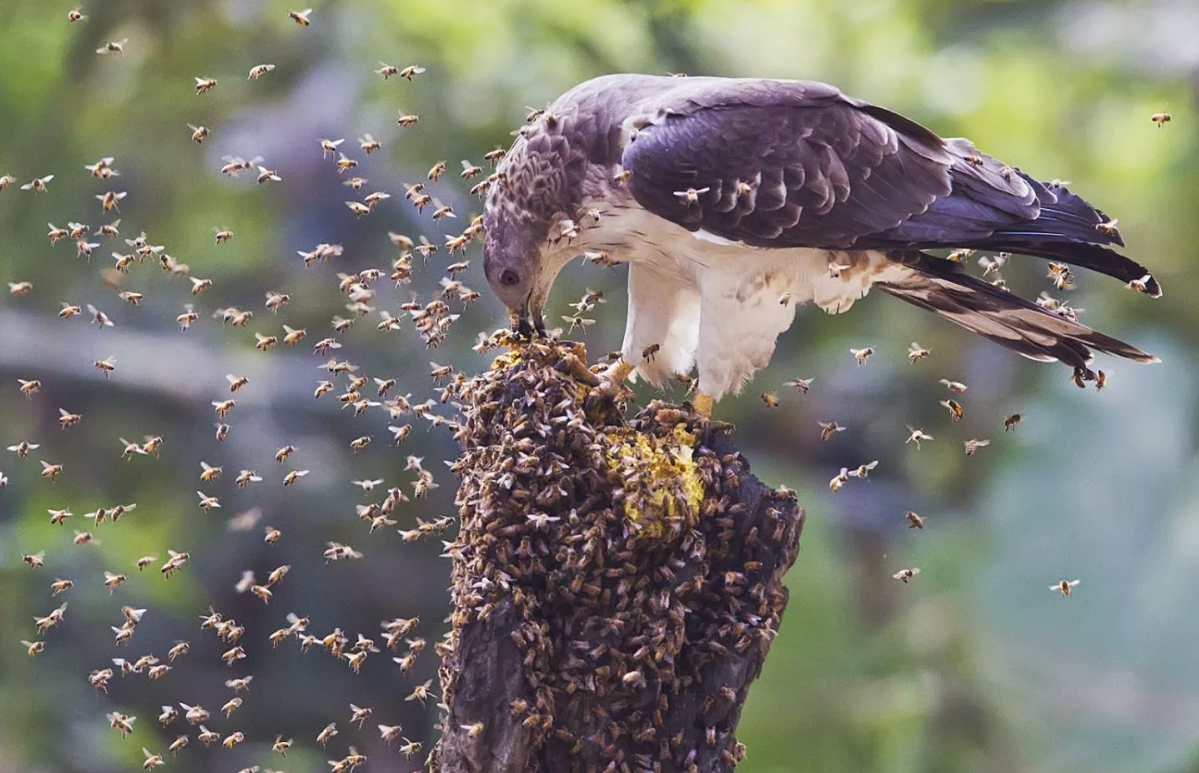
<point x="527" y="320"/>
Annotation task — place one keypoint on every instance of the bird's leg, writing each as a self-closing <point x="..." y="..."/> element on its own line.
<point x="703" y="404"/>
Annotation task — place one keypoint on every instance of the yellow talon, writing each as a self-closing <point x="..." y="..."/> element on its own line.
<point x="703" y="404"/>
<point x="617" y="372"/>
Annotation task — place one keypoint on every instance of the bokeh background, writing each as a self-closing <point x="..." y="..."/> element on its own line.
<point x="975" y="666"/>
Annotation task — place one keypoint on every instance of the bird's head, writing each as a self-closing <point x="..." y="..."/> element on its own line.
<point x="522" y="252"/>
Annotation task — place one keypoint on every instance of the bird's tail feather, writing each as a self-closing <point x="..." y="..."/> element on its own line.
<point x="945" y="289"/>
<point x="1069" y="229"/>
<point x="1042" y="245"/>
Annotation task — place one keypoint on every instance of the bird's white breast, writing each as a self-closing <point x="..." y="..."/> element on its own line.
<point x="719" y="303"/>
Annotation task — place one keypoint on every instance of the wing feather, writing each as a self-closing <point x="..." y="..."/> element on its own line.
<point x="831" y="172"/>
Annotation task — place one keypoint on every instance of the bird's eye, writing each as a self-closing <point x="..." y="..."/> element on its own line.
<point x="509" y="278"/>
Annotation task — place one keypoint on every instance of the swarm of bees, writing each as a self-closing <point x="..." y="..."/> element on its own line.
<point x="592" y="636"/>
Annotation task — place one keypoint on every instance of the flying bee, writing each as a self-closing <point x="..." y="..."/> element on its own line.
<point x="916" y="436"/>
<point x="359" y="714"/>
<point x="267" y="175"/>
<point x="121" y="722"/>
<point x="904" y="575"/>
<point x="324" y="345"/>
<point x="1065" y="587"/>
<point x="57" y="234"/>
<point x="420" y="692"/>
<point x="256" y="72"/>
<point x="387" y="70"/>
<point x="23" y="448"/>
<point x="436" y="171"/>
<point x="109" y="200"/>
<point x="106" y="366"/>
<point x="264" y="342"/>
<point x="771" y="399"/>
<point x="246" y="477"/>
<point x="368" y="144"/>
<point x="236" y="382"/>
<point x="1108" y="227"/>
<point x="35" y="560"/>
<point x="408" y="119"/>
<point x="1100" y="380"/>
<point x="974" y="444"/>
<point x="956" y="387"/>
<point x="152" y="444"/>
<point x="358" y="208"/>
<point x="915" y="521"/>
<point x="690" y="197"/>
<point x="400" y="433"/>
<point x="222" y="407"/>
<point x="111" y="230"/>
<point x="145" y="561"/>
<point x="18" y="289"/>
<point x="829" y="428"/>
<point x="199" y="133"/>
<point x="442" y="211"/>
<point x="916" y="353"/>
<point x="839" y="480"/>
<point x="387" y="322"/>
<point x="800" y="384"/>
<point x="328" y="732"/>
<point x="102" y="168"/>
<point x="130" y="297"/>
<point x="293" y="476"/>
<point x="206" y="736"/>
<point x="83" y="249"/>
<point x="113" y="47"/>
<point x="204" y="85"/>
<point x="233" y="739"/>
<point x="152" y="760"/>
<point x="992" y="265"/>
<point x="37" y="184"/>
<point x="357" y="444"/>
<point x="188" y="316"/>
<point x="863" y="471"/>
<point x="1161" y="119"/>
<point x="861" y="355"/>
<point x="284" y="452"/>
<point x="293" y="336"/>
<point x="300" y="17"/>
<point x="954" y="408"/>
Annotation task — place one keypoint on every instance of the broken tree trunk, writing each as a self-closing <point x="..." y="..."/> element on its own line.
<point x="616" y="585"/>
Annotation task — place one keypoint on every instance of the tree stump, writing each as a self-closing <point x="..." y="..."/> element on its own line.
<point x="616" y="584"/>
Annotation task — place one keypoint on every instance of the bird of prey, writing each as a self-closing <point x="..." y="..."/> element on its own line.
<point x="726" y="196"/>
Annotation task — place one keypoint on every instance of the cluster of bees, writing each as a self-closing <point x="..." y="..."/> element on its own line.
<point x="612" y="625"/>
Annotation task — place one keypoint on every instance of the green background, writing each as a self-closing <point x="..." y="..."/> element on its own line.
<point x="975" y="666"/>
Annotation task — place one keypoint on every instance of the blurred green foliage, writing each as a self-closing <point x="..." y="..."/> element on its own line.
<point x="975" y="666"/>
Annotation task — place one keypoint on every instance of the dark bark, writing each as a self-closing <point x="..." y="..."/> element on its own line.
<point x="617" y="585"/>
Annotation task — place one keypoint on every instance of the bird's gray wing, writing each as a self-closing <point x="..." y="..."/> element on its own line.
<point x="798" y="164"/>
